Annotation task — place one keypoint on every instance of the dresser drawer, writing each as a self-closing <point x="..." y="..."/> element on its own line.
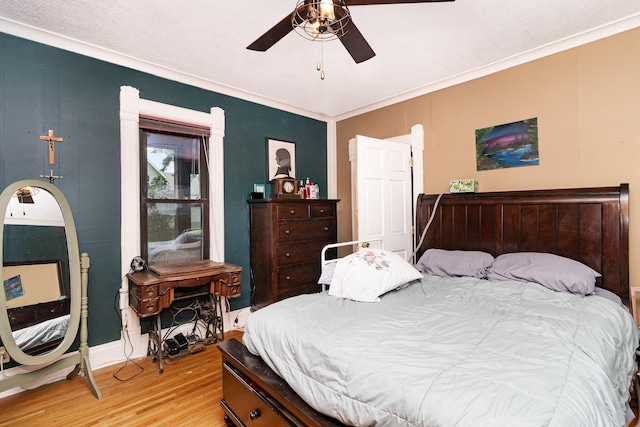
<point x="321" y="229"/>
<point x="296" y="253"/>
<point x="322" y="210"/>
<point x="299" y="279"/>
<point x="249" y="407"/>
<point x="292" y="211"/>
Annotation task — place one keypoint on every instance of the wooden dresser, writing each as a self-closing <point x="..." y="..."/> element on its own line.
<point x="286" y="239"/>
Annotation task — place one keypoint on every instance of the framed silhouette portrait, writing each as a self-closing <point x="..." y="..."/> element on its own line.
<point x="281" y="159"/>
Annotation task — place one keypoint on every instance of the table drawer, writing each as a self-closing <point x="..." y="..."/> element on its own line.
<point x="229" y="290"/>
<point x="321" y="229"/>
<point x="147" y="292"/>
<point x="247" y="406"/>
<point x="146" y="307"/>
<point x="229" y="287"/>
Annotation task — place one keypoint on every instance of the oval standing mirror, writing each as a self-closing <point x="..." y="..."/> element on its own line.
<point x="40" y="303"/>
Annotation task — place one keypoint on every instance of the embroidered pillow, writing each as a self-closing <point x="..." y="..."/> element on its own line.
<point x="327" y="272"/>
<point x="369" y="273"/>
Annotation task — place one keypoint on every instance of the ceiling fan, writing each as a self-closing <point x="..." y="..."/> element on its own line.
<point x="322" y="20"/>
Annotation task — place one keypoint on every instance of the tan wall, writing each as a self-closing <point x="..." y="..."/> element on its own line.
<point x="587" y="101"/>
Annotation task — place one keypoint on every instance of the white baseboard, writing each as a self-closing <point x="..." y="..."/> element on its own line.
<point x="111" y="353"/>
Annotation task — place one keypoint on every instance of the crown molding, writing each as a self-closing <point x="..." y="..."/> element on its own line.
<point x="576" y="40"/>
<point x="77" y="46"/>
<point x="49" y="38"/>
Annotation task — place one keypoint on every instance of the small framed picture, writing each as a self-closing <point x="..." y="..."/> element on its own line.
<point x="258" y="188"/>
<point x="281" y="159"/>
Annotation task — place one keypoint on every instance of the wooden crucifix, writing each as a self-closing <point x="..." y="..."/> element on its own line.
<point x="52" y="140"/>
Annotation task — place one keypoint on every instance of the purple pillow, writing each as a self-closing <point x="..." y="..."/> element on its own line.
<point x="440" y="262"/>
<point x="604" y="293"/>
<point x="552" y="271"/>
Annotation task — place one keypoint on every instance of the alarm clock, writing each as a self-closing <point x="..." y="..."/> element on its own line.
<point x="283" y="188"/>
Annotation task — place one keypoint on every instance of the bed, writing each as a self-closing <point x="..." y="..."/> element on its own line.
<point x="456" y="349"/>
<point x="42" y="337"/>
<point x="38" y="306"/>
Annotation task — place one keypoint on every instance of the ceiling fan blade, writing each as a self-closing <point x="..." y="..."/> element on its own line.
<point x="356" y="45"/>
<point x="370" y="2"/>
<point x="272" y="36"/>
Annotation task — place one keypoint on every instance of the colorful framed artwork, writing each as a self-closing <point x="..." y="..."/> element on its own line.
<point x="508" y="145"/>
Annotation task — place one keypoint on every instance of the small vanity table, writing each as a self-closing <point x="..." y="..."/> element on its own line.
<point x="151" y="291"/>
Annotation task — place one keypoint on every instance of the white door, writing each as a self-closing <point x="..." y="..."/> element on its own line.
<point x="382" y="193"/>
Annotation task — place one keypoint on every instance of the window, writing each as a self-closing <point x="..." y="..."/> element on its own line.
<point x="174" y="205"/>
<point x="133" y="110"/>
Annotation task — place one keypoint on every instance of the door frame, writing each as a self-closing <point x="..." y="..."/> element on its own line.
<point x="416" y="140"/>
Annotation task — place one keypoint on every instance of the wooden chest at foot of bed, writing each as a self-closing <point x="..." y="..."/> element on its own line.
<point x="248" y="390"/>
<point x="23" y="317"/>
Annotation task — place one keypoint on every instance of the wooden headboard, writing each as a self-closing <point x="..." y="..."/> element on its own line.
<point x="590" y="225"/>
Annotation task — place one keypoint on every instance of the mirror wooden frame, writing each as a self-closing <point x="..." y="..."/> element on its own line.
<point x="78" y="269"/>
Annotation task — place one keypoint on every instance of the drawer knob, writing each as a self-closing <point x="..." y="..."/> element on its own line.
<point x="288" y="277"/>
<point x="254" y="414"/>
<point x="292" y="212"/>
<point x="321" y="210"/>
<point x="326" y="229"/>
<point x="287" y="255"/>
<point x="287" y="232"/>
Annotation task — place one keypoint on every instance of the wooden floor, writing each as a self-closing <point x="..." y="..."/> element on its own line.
<point x="188" y="393"/>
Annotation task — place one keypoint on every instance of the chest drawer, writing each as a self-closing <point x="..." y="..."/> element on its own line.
<point x="322" y="210"/>
<point x="299" y="279"/>
<point x="306" y="230"/>
<point x="292" y="211"/>
<point x="296" y="253"/>
<point x="249" y="407"/>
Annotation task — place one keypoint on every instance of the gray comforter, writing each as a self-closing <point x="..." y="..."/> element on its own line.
<point x="454" y="352"/>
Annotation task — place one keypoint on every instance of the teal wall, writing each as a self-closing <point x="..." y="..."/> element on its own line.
<point x="45" y="88"/>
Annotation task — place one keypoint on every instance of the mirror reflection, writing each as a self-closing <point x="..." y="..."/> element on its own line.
<point x="36" y="270"/>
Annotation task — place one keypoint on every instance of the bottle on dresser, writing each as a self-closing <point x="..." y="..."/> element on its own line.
<point x="313" y="191"/>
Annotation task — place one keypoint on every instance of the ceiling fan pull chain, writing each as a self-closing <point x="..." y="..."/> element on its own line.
<point x="320" y="63"/>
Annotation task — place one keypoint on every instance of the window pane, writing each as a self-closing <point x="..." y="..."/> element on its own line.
<point x="173" y="167"/>
<point x="174" y="232"/>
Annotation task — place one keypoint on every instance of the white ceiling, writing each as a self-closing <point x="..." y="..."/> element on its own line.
<point x="419" y="47"/>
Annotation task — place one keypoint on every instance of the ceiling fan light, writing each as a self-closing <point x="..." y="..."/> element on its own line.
<point x="25" y="195"/>
<point x="320" y="20"/>
<point x="326" y="10"/>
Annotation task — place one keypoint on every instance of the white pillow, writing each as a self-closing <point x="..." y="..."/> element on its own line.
<point x="369" y="273"/>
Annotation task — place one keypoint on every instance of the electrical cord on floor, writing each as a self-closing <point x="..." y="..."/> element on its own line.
<point x="125" y="338"/>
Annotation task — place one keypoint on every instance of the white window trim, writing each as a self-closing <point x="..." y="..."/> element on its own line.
<point x="131" y="107"/>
